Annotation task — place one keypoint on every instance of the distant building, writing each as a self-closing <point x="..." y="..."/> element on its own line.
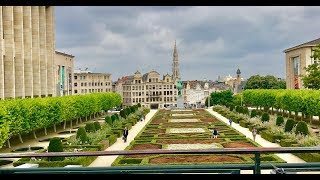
<point x="236" y="83"/>
<point x="87" y="82"/>
<point x="64" y="64"/>
<point x="149" y="90"/>
<point x="195" y="92"/>
<point x="298" y="58"/>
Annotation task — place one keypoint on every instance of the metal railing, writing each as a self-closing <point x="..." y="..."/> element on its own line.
<point x="231" y="168"/>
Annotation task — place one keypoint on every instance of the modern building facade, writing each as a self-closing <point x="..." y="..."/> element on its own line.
<point x="87" y="82"/>
<point x="64" y="64"/>
<point x="27" y="51"/>
<point x="298" y="58"/>
<point x="150" y="90"/>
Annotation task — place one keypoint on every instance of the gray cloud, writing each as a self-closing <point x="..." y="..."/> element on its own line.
<point x="211" y="41"/>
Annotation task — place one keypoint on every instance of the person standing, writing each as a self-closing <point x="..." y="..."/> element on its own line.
<point x="254" y="134"/>
<point x="125" y="134"/>
<point x="215" y="133"/>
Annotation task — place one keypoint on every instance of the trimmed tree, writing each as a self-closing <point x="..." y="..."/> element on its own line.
<point x="302" y="128"/>
<point x="253" y="113"/>
<point x="108" y="120"/>
<point x="289" y="125"/>
<point x="97" y="125"/>
<point x="279" y="121"/>
<point x="90" y="127"/>
<point x="82" y="135"/>
<point x="55" y="145"/>
<point x="265" y="117"/>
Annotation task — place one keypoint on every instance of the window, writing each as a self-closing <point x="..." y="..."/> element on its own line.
<point x="101" y="84"/>
<point x="75" y="91"/>
<point x="106" y="84"/>
<point x="81" y="84"/>
<point x="75" y="84"/>
<point x="167" y="80"/>
<point x="75" y="77"/>
<point x="149" y="80"/>
<point x="85" y="84"/>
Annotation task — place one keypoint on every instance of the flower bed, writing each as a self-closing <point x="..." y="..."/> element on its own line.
<point x="183" y="120"/>
<point x="192" y="146"/>
<point x="185" y="130"/>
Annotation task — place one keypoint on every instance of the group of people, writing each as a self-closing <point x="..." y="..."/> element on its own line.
<point x="254" y="131"/>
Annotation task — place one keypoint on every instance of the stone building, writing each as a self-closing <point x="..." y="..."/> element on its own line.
<point x="298" y="58"/>
<point x="64" y="64"/>
<point x="149" y="90"/>
<point x="27" y="51"/>
<point x="87" y="82"/>
<point x="236" y="83"/>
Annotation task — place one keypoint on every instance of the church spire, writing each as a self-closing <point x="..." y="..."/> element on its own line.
<point x="175" y="64"/>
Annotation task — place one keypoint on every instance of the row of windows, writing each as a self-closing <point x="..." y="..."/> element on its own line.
<point x="136" y="100"/>
<point x="91" y="90"/>
<point x="84" y="77"/>
<point x="132" y="88"/>
<point x="93" y="84"/>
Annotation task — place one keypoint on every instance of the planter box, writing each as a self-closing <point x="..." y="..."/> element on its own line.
<point x="244" y="123"/>
<point x="267" y="135"/>
<point x="287" y="142"/>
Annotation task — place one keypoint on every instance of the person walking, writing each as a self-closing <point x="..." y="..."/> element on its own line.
<point x="215" y="133"/>
<point x="254" y="134"/>
<point x="140" y="117"/>
<point x="125" y="134"/>
<point x="230" y="121"/>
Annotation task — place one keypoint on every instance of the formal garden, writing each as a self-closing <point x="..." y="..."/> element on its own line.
<point x="188" y="129"/>
<point x="275" y="116"/>
<point x="21" y="118"/>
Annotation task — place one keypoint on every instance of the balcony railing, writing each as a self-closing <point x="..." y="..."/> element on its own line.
<point x="211" y="168"/>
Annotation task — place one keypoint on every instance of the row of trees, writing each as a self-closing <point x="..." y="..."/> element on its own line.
<point x="21" y="116"/>
<point x="305" y="101"/>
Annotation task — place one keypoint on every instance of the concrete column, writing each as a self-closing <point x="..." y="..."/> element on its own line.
<point x="43" y="52"/>
<point x="9" y="80"/>
<point x="27" y="40"/>
<point x="50" y="51"/>
<point x="1" y="57"/>
<point x="19" y="51"/>
<point x="35" y="51"/>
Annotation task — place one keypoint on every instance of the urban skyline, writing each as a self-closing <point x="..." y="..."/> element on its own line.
<point x="211" y="41"/>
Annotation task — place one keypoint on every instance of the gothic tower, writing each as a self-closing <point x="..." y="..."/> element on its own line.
<point x="238" y="76"/>
<point x="175" y="64"/>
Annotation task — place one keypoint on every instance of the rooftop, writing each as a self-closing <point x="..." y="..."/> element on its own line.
<point x="307" y="44"/>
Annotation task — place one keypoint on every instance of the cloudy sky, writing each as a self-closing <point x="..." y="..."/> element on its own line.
<point x="211" y="41"/>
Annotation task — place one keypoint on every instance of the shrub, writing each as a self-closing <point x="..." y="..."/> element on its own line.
<point x="139" y="105"/>
<point x="289" y="125"/>
<point x="302" y="128"/>
<point x="132" y="109"/>
<point x="90" y="127"/>
<point x="97" y="125"/>
<point x="55" y="145"/>
<point x="253" y="113"/>
<point x="82" y="135"/>
<point x="265" y="117"/>
<point x="113" y="118"/>
<point x="279" y="121"/>
<point x="108" y="120"/>
<point x="117" y="116"/>
<point x="123" y="113"/>
<point x="245" y="110"/>
<point x="112" y="139"/>
<point x="231" y="107"/>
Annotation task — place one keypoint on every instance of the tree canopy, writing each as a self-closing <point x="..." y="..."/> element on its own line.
<point x="312" y="78"/>
<point x="265" y="82"/>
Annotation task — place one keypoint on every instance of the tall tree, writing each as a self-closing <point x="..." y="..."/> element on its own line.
<point x="264" y="82"/>
<point x="312" y="78"/>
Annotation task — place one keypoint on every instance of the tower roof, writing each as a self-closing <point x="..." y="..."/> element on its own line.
<point x="238" y="71"/>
